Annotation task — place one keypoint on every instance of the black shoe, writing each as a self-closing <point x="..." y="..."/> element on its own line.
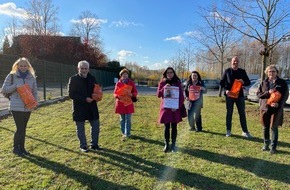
<point x="166" y="148"/>
<point x="273" y="151"/>
<point x="174" y="149"/>
<point x="265" y="148"/>
<point x="18" y="152"/>
<point x="25" y="152"/>
<point x="96" y="147"/>
<point x="192" y="129"/>
<point x="198" y="130"/>
<point x="84" y="149"/>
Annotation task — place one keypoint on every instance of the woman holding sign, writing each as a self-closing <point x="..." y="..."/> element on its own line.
<point x="273" y="92"/>
<point x="194" y="91"/>
<point x="171" y="93"/>
<point x="125" y="93"/>
<point x="23" y="75"/>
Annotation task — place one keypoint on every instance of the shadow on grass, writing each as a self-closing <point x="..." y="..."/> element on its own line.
<point x="164" y="173"/>
<point x="261" y="168"/>
<point x="254" y="139"/>
<point x="90" y="181"/>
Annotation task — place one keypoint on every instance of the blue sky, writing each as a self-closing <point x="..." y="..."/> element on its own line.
<point x="148" y="32"/>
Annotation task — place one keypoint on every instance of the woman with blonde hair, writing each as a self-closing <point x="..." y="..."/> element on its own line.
<point x="21" y="73"/>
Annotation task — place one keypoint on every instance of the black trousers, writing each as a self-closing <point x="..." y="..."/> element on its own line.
<point x="173" y="133"/>
<point x="21" y="120"/>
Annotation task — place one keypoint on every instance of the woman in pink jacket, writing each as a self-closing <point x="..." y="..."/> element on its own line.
<point x="125" y="93"/>
<point x="170" y="116"/>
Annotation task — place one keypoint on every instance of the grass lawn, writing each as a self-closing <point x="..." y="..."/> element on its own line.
<point x="206" y="160"/>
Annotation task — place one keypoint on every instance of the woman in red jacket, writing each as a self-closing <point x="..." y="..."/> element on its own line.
<point x="171" y="107"/>
<point x="125" y="93"/>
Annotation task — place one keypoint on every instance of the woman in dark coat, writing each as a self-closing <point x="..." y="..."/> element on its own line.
<point x="271" y="112"/>
<point x="168" y="116"/>
<point x="80" y="89"/>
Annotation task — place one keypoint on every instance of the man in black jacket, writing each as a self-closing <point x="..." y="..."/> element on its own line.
<point x="80" y="89"/>
<point x="228" y="78"/>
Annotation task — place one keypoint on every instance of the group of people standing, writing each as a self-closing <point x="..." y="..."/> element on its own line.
<point x="273" y="92"/>
<point x="271" y="112"/>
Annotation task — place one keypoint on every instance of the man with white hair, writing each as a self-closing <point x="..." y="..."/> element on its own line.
<point x="80" y="89"/>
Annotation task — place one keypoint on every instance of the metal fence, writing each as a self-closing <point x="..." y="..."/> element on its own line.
<point x="52" y="78"/>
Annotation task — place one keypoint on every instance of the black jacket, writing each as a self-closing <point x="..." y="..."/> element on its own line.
<point x="79" y="89"/>
<point x="229" y="77"/>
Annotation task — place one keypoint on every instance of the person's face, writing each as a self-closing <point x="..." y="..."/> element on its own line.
<point x="83" y="70"/>
<point x="169" y="74"/>
<point x="272" y="73"/>
<point x="124" y="75"/>
<point x="235" y="62"/>
<point x="22" y="66"/>
<point x="194" y="77"/>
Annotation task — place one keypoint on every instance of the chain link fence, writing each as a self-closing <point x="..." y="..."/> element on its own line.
<point x="52" y="78"/>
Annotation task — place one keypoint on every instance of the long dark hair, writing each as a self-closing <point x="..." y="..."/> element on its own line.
<point x="189" y="80"/>
<point x="174" y="78"/>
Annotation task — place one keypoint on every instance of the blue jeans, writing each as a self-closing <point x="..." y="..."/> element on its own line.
<point x="95" y="130"/>
<point x="194" y="117"/>
<point x="240" y="103"/>
<point x="125" y="122"/>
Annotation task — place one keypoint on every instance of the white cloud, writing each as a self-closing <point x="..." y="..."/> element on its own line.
<point x="178" y="39"/>
<point x="11" y="10"/>
<point x="124" y="54"/>
<point x="123" y="23"/>
<point x="90" y="20"/>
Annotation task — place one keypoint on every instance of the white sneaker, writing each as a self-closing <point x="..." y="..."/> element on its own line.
<point x="247" y="135"/>
<point x="228" y="134"/>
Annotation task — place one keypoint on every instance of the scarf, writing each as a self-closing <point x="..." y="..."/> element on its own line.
<point x="23" y="75"/>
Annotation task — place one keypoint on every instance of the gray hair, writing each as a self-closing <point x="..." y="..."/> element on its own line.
<point x="271" y="67"/>
<point x="83" y="62"/>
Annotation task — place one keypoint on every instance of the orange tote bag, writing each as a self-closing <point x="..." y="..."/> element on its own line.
<point x="97" y="93"/>
<point x="194" y="92"/>
<point x="235" y="90"/>
<point x="26" y="96"/>
<point x="274" y="97"/>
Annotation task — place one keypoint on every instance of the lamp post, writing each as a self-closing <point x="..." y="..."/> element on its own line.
<point x="285" y="56"/>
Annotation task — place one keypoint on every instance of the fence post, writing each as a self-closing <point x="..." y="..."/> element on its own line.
<point x="44" y="80"/>
<point x="61" y="91"/>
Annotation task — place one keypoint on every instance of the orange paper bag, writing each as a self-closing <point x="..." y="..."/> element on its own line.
<point x="97" y="93"/>
<point x="26" y="96"/>
<point x="235" y="90"/>
<point x="123" y="94"/>
<point x="194" y="92"/>
<point x="274" y="97"/>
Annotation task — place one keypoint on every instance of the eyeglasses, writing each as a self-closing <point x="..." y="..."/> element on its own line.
<point x="271" y="71"/>
<point x="168" y="72"/>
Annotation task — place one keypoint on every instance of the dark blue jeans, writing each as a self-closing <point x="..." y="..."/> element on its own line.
<point x="193" y="115"/>
<point x="240" y="103"/>
<point x="95" y="130"/>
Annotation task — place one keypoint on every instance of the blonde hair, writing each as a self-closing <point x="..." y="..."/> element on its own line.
<point x="22" y="60"/>
<point x="271" y="67"/>
<point x="124" y="71"/>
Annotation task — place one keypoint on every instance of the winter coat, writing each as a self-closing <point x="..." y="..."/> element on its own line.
<point x="79" y="89"/>
<point x="167" y="115"/>
<point x="229" y="77"/>
<point x="16" y="103"/>
<point x="263" y="93"/>
<point x="120" y="108"/>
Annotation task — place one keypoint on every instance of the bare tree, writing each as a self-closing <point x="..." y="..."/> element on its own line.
<point x="41" y="18"/>
<point x="262" y="20"/>
<point x="216" y="36"/>
<point x="88" y="28"/>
